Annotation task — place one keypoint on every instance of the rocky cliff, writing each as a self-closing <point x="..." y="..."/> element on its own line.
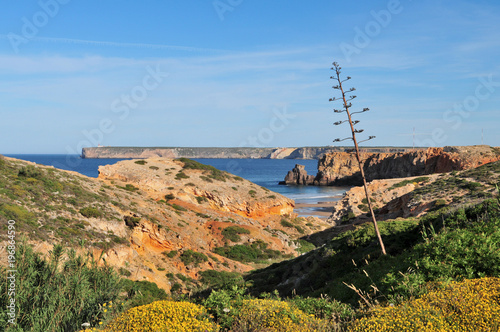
<point x="186" y="152"/>
<point x="341" y="168"/>
<point x="149" y="218"/>
<point x="415" y="196"/>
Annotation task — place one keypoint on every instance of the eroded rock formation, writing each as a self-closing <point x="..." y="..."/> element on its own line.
<point x="341" y="168"/>
<point x="298" y="175"/>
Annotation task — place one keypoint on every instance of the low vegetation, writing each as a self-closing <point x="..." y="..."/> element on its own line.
<point x="210" y="173"/>
<point x="422" y="179"/>
<point x="469" y="305"/>
<point x="190" y="257"/>
<point x="441" y="272"/>
<point x="51" y="205"/>
<point x="255" y="252"/>
<point x="232" y="233"/>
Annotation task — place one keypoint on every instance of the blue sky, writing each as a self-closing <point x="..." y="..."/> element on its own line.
<point x="245" y="72"/>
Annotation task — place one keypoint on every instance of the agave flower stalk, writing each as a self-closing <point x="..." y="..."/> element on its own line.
<point x="346" y="100"/>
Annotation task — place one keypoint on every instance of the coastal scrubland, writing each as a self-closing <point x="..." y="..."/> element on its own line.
<point x="441" y="272"/>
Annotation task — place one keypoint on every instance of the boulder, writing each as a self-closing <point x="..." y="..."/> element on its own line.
<point x="298" y="176"/>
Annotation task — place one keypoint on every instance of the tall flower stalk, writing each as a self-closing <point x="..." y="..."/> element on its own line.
<point x="346" y="100"/>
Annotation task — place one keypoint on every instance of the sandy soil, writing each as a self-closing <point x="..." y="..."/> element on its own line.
<point x="321" y="210"/>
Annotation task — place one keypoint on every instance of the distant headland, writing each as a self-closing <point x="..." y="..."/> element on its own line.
<point x="223" y="152"/>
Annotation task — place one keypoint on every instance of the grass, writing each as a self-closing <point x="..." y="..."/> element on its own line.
<point x="442" y="245"/>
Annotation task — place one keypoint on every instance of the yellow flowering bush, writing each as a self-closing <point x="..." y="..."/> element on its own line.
<point x="470" y="305"/>
<point x="274" y="315"/>
<point x="163" y="316"/>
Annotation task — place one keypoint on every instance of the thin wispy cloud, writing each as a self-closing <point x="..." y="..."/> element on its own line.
<point x="74" y="41"/>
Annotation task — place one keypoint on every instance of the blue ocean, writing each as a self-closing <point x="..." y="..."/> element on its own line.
<point x="264" y="172"/>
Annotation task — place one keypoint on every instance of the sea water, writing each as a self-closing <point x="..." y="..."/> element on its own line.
<point x="264" y="172"/>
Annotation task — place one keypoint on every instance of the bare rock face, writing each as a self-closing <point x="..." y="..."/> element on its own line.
<point x="298" y="176"/>
<point x="229" y="193"/>
<point x="340" y="168"/>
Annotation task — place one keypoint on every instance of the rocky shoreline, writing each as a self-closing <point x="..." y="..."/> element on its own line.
<point x="341" y="168"/>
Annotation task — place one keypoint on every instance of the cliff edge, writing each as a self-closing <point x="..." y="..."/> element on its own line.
<point x="341" y="168"/>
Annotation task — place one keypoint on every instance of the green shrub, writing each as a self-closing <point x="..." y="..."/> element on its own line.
<point x="190" y="257"/>
<point x="473" y="186"/>
<point x="130" y="187"/>
<point x="142" y="292"/>
<point x="154" y="168"/>
<point x="304" y="246"/>
<point x="59" y="293"/>
<point x="232" y="233"/>
<point x="218" y="303"/>
<point x="30" y="171"/>
<point x="16" y="212"/>
<point x="90" y="212"/>
<point x="141" y="162"/>
<point x="181" y="175"/>
<point x="178" y="207"/>
<point x="324" y="308"/>
<point x="252" y="193"/>
<point x="285" y="223"/>
<point x="405" y="182"/>
<point x="170" y="254"/>
<point x="221" y="279"/>
<point x="124" y="272"/>
<point x="169" y="197"/>
<point x="210" y="172"/>
<point x="255" y="252"/>
<point x="206" y="179"/>
<point x="201" y="199"/>
<point x="131" y="222"/>
<point x="440" y="202"/>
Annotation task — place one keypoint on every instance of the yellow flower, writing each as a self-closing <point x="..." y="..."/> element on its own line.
<point x="470" y="305"/>
<point x="163" y="315"/>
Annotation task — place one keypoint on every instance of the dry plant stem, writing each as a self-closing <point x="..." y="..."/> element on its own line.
<point x="360" y="294"/>
<point x="374" y="220"/>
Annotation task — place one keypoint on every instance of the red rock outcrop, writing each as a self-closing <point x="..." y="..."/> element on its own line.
<point x="342" y="167"/>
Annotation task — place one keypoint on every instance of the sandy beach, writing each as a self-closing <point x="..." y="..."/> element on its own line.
<point x="321" y="210"/>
